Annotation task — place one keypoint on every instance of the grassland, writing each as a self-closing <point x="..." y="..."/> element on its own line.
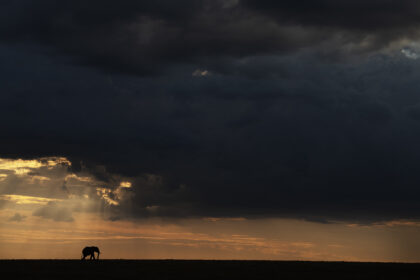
<point x="185" y="269"/>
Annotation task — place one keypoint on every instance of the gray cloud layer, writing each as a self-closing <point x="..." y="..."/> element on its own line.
<point x="144" y="37"/>
<point x="17" y="218"/>
<point x="54" y="212"/>
<point x="276" y="130"/>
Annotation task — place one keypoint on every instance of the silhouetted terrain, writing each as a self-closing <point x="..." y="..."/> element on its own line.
<point x="183" y="269"/>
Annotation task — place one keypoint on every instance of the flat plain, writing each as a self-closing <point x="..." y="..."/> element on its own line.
<point x="203" y="269"/>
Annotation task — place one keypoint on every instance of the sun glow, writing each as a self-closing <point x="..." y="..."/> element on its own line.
<point x="125" y="185"/>
<point x="24" y="199"/>
<point x="23" y="167"/>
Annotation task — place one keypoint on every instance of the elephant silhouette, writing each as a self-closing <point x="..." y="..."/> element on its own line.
<point x="90" y="251"/>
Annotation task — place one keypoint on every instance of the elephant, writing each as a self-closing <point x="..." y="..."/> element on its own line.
<point x="90" y="251"/>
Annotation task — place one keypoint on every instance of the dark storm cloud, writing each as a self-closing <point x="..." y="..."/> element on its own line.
<point x="348" y="14"/>
<point x="148" y="37"/>
<point x="132" y="36"/>
<point x="309" y="139"/>
<point x="275" y="130"/>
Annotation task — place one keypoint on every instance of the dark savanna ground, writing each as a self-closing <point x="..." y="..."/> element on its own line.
<point x="183" y="269"/>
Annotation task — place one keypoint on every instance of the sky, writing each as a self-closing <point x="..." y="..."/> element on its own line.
<point x="210" y="129"/>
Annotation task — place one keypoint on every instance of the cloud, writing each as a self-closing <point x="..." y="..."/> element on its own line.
<point x="347" y="14"/>
<point x="53" y="191"/>
<point x="149" y="38"/>
<point x="201" y="73"/>
<point x="24" y="199"/>
<point x="410" y="53"/>
<point x="305" y="138"/>
<point x="414" y="112"/>
<point x="17" y="218"/>
<point x="54" y="212"/>
<point x="279" y="129"/>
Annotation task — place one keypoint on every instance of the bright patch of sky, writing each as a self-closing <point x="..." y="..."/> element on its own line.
<point x="412" y="51"/>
